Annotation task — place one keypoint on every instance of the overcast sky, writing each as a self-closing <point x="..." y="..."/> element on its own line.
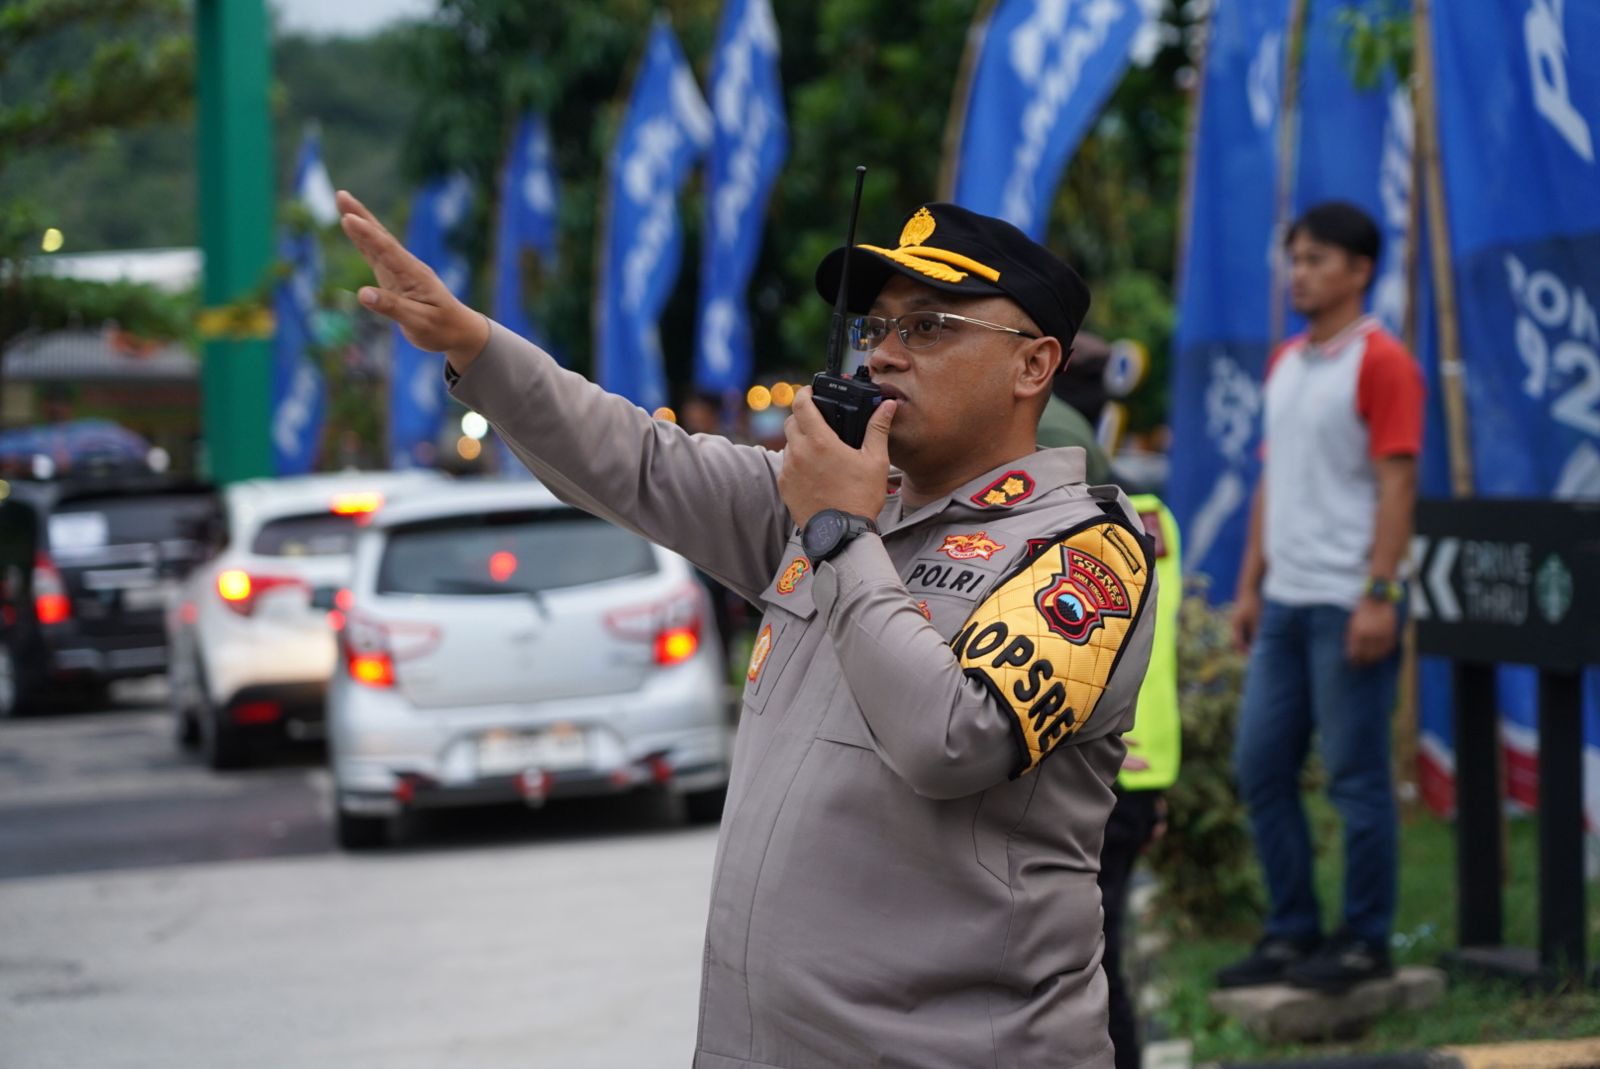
<point x="346" y="16"/>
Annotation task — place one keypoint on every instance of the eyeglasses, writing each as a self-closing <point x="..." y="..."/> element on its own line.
<point x="917" y="330"/>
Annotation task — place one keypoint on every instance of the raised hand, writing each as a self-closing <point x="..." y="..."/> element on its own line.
<point x="409" y="292"/>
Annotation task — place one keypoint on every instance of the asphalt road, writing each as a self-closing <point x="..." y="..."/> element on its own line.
<point x="154" y="913"/>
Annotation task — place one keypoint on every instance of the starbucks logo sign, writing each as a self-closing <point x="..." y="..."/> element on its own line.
<point x="1553" y="589"/>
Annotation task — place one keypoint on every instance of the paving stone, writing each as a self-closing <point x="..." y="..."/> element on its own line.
<point x="1278" y="1013"/>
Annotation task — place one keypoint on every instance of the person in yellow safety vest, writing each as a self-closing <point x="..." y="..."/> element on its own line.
<point x="1153" y="744"/>
<point x="1150" y="768"/>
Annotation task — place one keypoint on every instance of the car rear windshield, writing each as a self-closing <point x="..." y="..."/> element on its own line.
<point x="316" y="534"/>
<point x="509" y="553"/>
<point x="88" y="527"/>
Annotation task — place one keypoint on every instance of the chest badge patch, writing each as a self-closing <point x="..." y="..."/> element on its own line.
<point x="1011" y="488"/>
<point x="968" y="546"/>
<point x="759" y="654"/>
<point x="793" y="574"/>
<point x="1083" y="597"/>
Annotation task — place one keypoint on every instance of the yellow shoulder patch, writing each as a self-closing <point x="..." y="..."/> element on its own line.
<point x="1047" y="639"/>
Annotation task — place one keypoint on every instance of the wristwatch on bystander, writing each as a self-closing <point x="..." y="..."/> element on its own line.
<point x="1380" y="589"/>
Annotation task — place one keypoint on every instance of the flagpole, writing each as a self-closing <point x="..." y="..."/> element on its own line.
<point x="1288" y="153"/>
<point x="1191" y="142"/>
<point x="1450" y="364"/>
<point x="956" y="123"/>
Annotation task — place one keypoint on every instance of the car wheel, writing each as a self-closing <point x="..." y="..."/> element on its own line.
<point x="361" y="832"/>
<point x="222" y="745"/>
<point x="10" y="684"/>
<point x="705" y="807"/>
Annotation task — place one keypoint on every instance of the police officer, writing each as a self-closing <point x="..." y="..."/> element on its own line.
<point x="933" y="709"/>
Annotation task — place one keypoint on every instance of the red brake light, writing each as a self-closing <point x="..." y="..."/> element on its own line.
<point x="371" y="647"/>
<point x="671" y="626"/>
<point x="358" y="504"/>
<point x="373" y="669"/>
<point x="51" y="605"/>
<point x="239" y="590"/>
<point x="677" y="645"/>
<point x="502" y="566"/>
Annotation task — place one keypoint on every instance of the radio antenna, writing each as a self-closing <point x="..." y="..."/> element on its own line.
<point x="836" y="335"/>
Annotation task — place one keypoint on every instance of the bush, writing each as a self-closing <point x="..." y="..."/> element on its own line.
<point x="1205" y="866"/>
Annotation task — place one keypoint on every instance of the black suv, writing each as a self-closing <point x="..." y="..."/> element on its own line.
<point x="88" y="566"/>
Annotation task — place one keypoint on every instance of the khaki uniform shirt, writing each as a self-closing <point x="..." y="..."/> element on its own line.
<point x="930" y="731"/>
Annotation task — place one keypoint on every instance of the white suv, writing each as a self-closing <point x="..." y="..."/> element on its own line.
<point x="251" y="642"/>
<point x="503" y="647"/>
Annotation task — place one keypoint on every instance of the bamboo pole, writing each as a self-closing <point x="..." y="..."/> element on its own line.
<point x="956" y="123"/>
<point x="1288" y="154"/>
<point x="1451" y="379"/>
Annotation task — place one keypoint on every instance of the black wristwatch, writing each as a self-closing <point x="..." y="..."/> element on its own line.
<point x="829" y="531"/>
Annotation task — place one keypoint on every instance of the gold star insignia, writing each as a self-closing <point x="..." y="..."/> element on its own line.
<point x="995" y="497"/>
<point x="1013" y="486"/>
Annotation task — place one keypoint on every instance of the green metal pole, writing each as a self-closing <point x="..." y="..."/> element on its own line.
<point x="236" y="227"/>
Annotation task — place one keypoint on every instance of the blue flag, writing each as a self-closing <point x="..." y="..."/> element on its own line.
<point x="747" y="152"/>
<point x="528" y="194"/>
<point x="1043" y="70"/>
<point x="666" y="130"/>
<point x="299" y="393"/>
<point x="1224" y="318"/>
<point x="1355" y="144"/>
<point x="1519" y="115"/>
<point x="416" y="381"/>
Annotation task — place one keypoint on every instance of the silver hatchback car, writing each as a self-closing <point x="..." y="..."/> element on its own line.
<point x="499" y="646"/>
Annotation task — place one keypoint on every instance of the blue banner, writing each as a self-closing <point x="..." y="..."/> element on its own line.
<point x="527" y="222"/>
<point x="299" y="393"/>
<point x="416" y="382"/>
<point x="1044" y="68"/>
<point x="1519" y="116"/>
<point x="1355" y="145"/>
<point x="664" y="133"/>
<point x="747" y="152"/>
<point x="1224" y="317"/>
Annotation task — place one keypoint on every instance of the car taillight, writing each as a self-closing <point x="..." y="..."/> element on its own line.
<point x="671" y="626"/>
<point x="371" y="647"/>
<point x="240" y="591"/>
<point x="678" y="644"/>
<point x="50" y="602"/>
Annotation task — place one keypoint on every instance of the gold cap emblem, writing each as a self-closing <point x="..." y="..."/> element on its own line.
<point x="918" y="228"/>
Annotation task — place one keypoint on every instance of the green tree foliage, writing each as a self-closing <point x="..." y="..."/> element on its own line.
<point x="71" y="71"/>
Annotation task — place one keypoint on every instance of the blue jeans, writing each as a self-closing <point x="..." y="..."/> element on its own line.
<point x="1299" y="681"/>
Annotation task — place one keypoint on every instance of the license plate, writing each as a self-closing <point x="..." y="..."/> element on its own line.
<point x="144" y="599"/>
<point x="506" y="752"/>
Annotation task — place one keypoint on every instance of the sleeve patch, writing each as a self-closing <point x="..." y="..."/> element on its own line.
<point x="1046" y="641"/>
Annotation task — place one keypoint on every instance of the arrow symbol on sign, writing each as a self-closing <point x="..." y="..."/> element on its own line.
<point x="1438" y="581"/>
<point x="1414" y="562"/>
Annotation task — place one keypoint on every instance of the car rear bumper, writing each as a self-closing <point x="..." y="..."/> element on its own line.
<point x="415" y="791"/>
<point x="81" y="661"/>
<point x="297" y="711"/>
<point x="386" y="755"/>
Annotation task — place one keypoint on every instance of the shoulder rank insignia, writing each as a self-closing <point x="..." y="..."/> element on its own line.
<point x="1008" y="490"/>
<point x="1048" y="638"/>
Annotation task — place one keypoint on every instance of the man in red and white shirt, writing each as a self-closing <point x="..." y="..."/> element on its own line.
<point x="1319" y="605"/>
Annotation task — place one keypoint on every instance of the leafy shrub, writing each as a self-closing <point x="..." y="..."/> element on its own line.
<point x="1205" y="865"/>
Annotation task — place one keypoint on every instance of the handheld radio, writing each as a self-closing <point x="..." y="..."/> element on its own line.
<point x="847" y="403"/>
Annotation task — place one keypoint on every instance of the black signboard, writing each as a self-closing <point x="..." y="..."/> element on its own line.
<point x="1508" y="582"/>
<point x="1514" y="582"/>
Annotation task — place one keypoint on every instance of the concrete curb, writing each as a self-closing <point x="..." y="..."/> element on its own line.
<point x="1539" y="1054"/>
